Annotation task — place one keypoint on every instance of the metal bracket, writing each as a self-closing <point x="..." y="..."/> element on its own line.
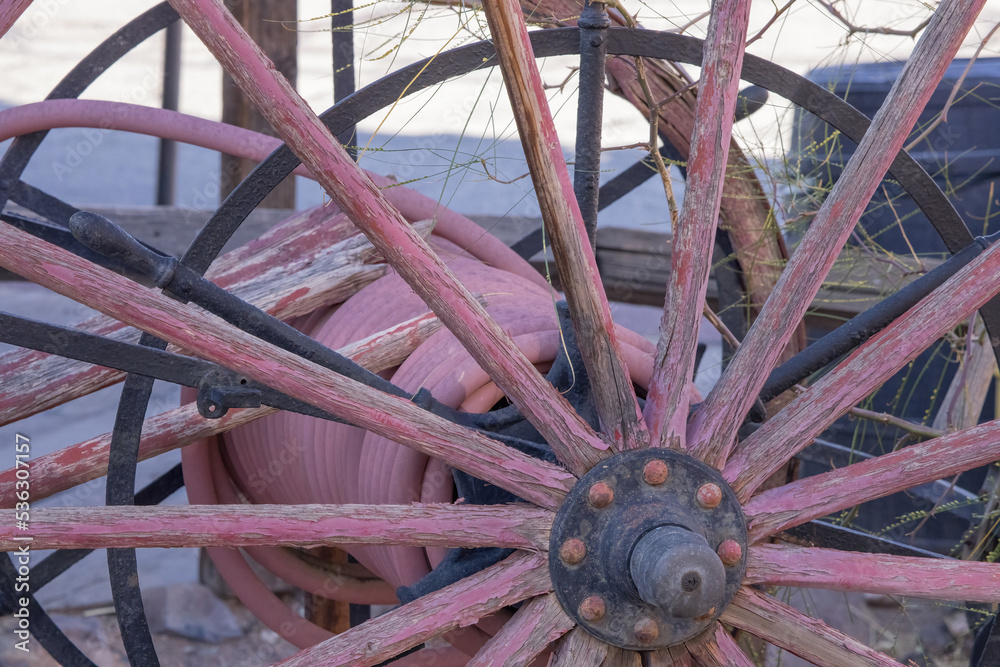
<point x="648" y="549"/>
<point x="219" y="391"/>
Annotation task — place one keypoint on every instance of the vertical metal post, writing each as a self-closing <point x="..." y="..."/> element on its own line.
<point x="166" y="182"/>
<point x="342" y="32"/>
<point x="593" y="25"/>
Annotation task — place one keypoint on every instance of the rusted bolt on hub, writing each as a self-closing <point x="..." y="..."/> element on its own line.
<point x="646" y="631"/>
<point x="593" y="608"/>
<point x="573" y="551"/>
<point x="709" y="496"/>
<point x="655" y="472"/>
<point x="730" y="552"/>
<point x="600" y="495"/>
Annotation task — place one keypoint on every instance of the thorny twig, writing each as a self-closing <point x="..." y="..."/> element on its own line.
<point x="943" y="116"/>
<point x="774" y="18"/>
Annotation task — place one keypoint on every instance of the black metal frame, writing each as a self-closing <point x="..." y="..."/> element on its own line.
<point x="594" y="38"/>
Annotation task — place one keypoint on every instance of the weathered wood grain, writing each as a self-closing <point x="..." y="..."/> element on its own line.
<point x="320" y="248"/>
<point x="173" y="429"/>
<point x="600" y="349"/>
<point x="963" y="402"/>
<point x="810" y="567"/>
<point x="579" y="648"/>
<point x="362" y="201"/>
<point x="618" y="657"/>
<point x="721" y="650"/>
<point x="715" y="425"/>
<point x="526" y="635"/>
<point x="790" y="629"/>
<point x="812" y="497"/>
<point x="862" y="372"/>
<point x="184" y="526"/>
<point x="10" y="11"/>
<point x="674" y="656"/>
<point x="668" y="403"/>
<point x="518" y="577"/>
<point x="210" y="337"/>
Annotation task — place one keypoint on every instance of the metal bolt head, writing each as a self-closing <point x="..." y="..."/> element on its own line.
<point x="646" y="630"/>
<point x="655" y="472"/>
<point x="572" y="552"/>
<point x="709" y="496"/>
<point x="730" y="552"/>
<point x="592" y="608"/>
<point x="600" y="495"/>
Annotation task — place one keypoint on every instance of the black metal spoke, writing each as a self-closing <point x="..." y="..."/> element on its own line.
<point x="594" y="24"/>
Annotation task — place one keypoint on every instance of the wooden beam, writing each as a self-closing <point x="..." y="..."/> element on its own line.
<point x="271" y="23"/>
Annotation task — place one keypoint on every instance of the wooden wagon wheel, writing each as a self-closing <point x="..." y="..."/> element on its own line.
<point x="662" y="577"/>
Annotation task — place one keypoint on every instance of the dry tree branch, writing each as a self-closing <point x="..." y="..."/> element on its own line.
<point x="853" y="29"/>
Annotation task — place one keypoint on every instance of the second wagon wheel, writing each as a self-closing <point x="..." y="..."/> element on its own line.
<point x="655" y="544"/>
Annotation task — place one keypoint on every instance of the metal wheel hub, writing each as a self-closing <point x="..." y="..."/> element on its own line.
<point x="648" y="549"/>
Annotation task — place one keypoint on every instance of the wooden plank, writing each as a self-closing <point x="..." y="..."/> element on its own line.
<point x="727" y="404"/>
<point x="614" y="395"/>
<point x="272" y="24"/>
<point x="669" y="402"/>
<point x="515" y="526"/>
<point x="518" y="577"/>
<point x="410" y="255"/>
<point x="933" y="578"/>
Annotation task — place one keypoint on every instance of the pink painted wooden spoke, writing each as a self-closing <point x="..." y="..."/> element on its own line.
<point x="525" y="636"/>
<point x="518" y="577"/>
<point x="812" y="497"/>
<point x="862" y="372"/>
<point x="10" y="11"/>
<point x="573" y="441"/>
<point x="669" y="401"/>
<point x="938" y="579"/>
<point x="208" y="336"/>
<point x="508" y="526"/>
<point x="580" y="649"/>
<point x="588" y="304"/>
<point x="715" y="425"/>
<point x="790" y="629"/>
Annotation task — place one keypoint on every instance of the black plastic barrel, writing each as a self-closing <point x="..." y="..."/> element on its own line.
<point x="962" y="154"/>
<point x="963" y="157"/>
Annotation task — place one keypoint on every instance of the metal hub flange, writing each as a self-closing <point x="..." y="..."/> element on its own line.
<point x="648" y="549"/>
